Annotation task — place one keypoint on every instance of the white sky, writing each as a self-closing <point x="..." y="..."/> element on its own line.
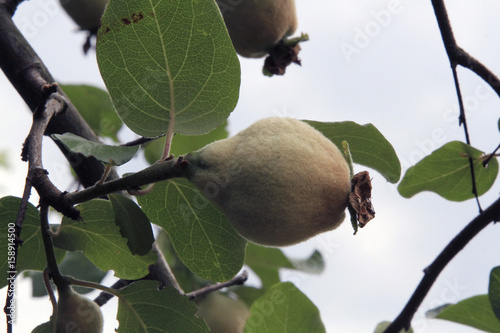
<point x="399" y="80"/>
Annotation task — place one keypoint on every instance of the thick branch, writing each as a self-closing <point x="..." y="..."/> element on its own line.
<point x="491" y="214"/>
<point x="159" y="171"/>
<point x="28" y="74"/>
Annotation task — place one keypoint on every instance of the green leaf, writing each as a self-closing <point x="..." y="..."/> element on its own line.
<point x="383" y="325"/>
<point x="447" y="172"/>
<point x="96" y="108"/>
<point x="494" y="291"/>
<point x="183" y="144"/>
<point x="115" y="155"/>
<point x="31" y="255"/>
<point x="266" y="262"/>
<point x="99" y="238"/>
<point x="143" y="308"/>
<point x="168" y="56"/>
<point x="75" y="264"/>
<point x="475" y="312"/>
<point x="202" y="236"/>
<point x="367" y="145"/>
<point x="134" y="224"/>
<point x="284" y="308"/>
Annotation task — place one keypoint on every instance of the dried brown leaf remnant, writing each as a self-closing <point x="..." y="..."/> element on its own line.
<point x="360" y="197"/>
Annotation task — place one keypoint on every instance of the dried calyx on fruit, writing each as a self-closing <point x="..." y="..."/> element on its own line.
<point x="77" y="313"/>
<point x="260" y="27"/>
<point x="279" y="182"/>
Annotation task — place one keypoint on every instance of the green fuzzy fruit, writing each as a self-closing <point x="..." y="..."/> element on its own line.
<point x="86" y="13"/>
<point x="279" y="182"/>
<point x="255" y="26"/>
<point x="77" y="313"/>
<point x="222" y="313"/>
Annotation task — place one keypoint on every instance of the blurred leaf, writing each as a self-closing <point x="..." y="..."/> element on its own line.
<point x="115" y="155"/>
<point x="494" y="291"/>
<point x="383" y="325"/>
<point x="4" y="160"/>
<point x="134" y="224"/>
<point x="284" y="308"/>
<point x="99" y="238"/>
<point x="168" y="56"/>
<point x="183" y="144"/>
<point x="475" y="312"/>
<point x="75" y="264"/>
<point x="31" y="255"/>
<point x="447" y="172"/>
<point x="96" y="108"/>
<point x="202" y="236"/>
<point x="266" y="262"/>
<point x="367" y="145"/>
<point x="146" y="309"/>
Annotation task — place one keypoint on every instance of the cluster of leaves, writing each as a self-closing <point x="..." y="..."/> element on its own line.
<point x="173" y="64"/>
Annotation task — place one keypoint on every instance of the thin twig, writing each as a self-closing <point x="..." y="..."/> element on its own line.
<point x="52" y="267"/>
<point x="237" y="280"/>
<point x="456" y="56"/>
<point x="487" y="160"/>
<point x="491" y="214"/>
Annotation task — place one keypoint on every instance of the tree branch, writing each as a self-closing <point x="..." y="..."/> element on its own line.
<point x="491" y="214"/>
<point x="159" y="171"/>
<point x="28" y="74"/>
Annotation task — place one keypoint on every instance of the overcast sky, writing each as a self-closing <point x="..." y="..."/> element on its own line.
<point x="377" y="61"/>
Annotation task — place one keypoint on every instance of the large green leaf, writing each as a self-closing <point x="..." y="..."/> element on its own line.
<point x="475" y="312"/>
<point x="494" y="291"/>
<point x="144" y="308"/>
<point x="115" y="155"/>
<point x="284" y="308"/>
<point x="96" y="108"/>
<point x="134" y="224"/>
<point x="31" y="255"/>
<point x="182" y="144"/>
<point x="99" y="238"/>
<point x="447" y="172"/>
<point x="368" y="146"/>
<point x="163" y="56"/>
<point x="202" y="236"/>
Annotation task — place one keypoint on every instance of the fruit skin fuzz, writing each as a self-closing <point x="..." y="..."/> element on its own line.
<point x="279" y="182"/>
